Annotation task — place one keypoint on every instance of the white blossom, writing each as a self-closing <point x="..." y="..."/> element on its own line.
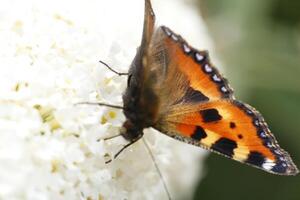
<point x="48" y="62"/>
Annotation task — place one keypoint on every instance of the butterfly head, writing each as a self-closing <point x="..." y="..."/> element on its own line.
<point x="130" y="131"/>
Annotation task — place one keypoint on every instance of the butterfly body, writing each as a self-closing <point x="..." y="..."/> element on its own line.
<point x="175" y="89"/>
<point x="140" y="102"/>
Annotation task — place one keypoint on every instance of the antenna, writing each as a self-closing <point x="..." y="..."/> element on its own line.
<point x="114" y="71"/>
<point x="123" y="148"/>
<point x="100" y="104"/>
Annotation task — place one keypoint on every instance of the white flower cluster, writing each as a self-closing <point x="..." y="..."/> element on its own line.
<point x="49" y="52"/>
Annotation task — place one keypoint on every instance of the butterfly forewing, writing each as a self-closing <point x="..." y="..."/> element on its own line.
<point x="194" y="65"/>
<point x="230" y="128"/>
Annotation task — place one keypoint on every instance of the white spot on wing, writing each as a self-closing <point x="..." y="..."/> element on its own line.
<point x="174" y="37"/>
<point x="263" y="134"/>
<point x="269" y="144"/>
<point x="207" y="68"/>
<point x="249" y="112"/>
<point x="284" y="165"/>
<point x="268" y="164"/>
<point x="282" y="159"/>
<point x="277" y="151"/>
<point x="216" y="78"/>
<point x="199" y="57"/>
<point x="186" y="48"/>
<point x="224" y="89"/>
<point x="167" y="31"/>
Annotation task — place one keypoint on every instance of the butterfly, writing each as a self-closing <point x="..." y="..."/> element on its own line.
<point x="174" y="88"/>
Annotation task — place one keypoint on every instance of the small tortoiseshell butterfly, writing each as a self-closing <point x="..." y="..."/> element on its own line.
<point x="174" y="88"/>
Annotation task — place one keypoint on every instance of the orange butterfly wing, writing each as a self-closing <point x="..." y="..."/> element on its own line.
<point x="232" y="129"/>
<point x="195" y="65"/>
<point x="196" y="105"/>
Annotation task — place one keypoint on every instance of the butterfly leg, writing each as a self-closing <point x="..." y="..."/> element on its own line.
<point x="157" y="168"/>
<point x="124" y="147"/>
<point x="111" y="69"/>
<point x="100" y="104"/>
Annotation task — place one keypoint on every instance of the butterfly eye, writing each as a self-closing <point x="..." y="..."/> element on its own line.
<point x="128" y="80"/>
